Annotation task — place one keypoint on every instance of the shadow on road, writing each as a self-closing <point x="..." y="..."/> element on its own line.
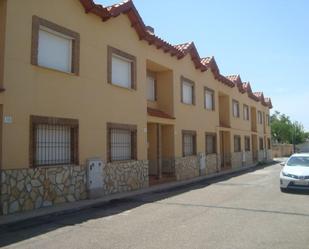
<point x="13" y="233"/>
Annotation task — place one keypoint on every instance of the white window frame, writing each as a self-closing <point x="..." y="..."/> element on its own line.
<point x="260" y="118"/>
<point x="47" y="64"/>
<point x="235" y="104"/>
<point x="246" y="112"/>
<point x="209" y="94"/>
<point x="114" y="81"/>
<point x="186" y="86"/>
<point x="151" y="88"/>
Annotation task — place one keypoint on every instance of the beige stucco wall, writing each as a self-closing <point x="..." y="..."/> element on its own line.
<point x="32" y="90"/>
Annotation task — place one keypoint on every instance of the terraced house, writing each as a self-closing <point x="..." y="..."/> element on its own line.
<point x="92" y="101"/>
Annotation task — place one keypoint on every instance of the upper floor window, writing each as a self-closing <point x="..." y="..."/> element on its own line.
<point x="236" y="112"/>
<point x="260" y="117"/>
<point x="53" y="141"/>
<point x="237" y="144"/>
<point x="187" y="91"/>
<point x="267" y="119"/>
<point x="54" y="46"/>
<point x="121" y="68"/>
<point x="246" y="112"/>
<point x="188" y="143"/>
<point x="211" y="143"/>
<point x="121" y="141"/>
<point x="151" y="87"/>
<point x="209" y="99"/>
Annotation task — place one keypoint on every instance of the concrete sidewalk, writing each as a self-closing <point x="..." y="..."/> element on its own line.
<point x="79" y="205"/>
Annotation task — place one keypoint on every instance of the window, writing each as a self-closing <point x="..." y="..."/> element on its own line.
<point x="121" y="68"/>
<point x="267" y="119"/>
<point x="209" y="99"/>
<point x="261" y="143"/>
<point x="268" y="144"/>
<point x="236" y="109"/>
<point x="121" y="142"/>
<point x="237" y="144"/>
<point x="211" y="142"/>
<point x="260" y="118"/>
<point x="246" y="112"/>
<point x="189" y="143"/>
<point x="53" y="141"/>
<point x="54" y="46"/>
<point x="247" y="143"/>
<point x="187" y="91"/>
<point x="151" y="87"/>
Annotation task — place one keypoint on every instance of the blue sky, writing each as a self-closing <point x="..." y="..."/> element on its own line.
<point x="266" y="42"/>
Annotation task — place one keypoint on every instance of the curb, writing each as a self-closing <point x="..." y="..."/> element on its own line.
<point x="69" y="208"/>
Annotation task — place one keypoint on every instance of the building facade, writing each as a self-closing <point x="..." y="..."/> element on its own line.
<point x="79" y="81"/>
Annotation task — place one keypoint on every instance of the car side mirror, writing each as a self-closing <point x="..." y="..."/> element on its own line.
<point x="282" y="163"/>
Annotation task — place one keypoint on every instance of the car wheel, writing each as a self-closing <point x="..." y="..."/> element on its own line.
<point x="283" y="190"/>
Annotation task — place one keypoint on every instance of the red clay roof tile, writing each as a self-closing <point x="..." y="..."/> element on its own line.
<point x="180" y="51"/>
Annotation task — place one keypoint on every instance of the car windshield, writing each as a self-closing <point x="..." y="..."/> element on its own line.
<point x="298" y="161"/>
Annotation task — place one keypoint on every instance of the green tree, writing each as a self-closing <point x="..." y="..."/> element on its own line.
<point x="283" y="130"/>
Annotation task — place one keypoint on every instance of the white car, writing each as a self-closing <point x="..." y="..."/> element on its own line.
<point x="295" y="173"/>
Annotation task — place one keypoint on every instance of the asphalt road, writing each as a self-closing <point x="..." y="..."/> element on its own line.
<point x="245" y="211"/>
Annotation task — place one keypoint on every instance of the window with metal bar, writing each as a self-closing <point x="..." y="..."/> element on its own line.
<point x="261" y="142"/>
<point x="189" y="140"/>
<point x="121" y="139"/>
<point x="121" y="145"/>
<point x="247" y="143"/>
<point x="53" y="141"/>
<point x="237" y="144"/>
<point x="210" y="143"/>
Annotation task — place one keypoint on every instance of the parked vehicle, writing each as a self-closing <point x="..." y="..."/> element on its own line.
<point x="295" y="173"/>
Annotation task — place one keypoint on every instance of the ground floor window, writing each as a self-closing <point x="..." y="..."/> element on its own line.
<point x="261" y="143"/>
<point x="189" y="143"/>
<point x="268" y="143"/>
<point x="53" y="141"/>
<point x="237" y="144"/>
<point x="121" y="142"/>
<point x="211" y="143"/>
<point x="247" y="143"/>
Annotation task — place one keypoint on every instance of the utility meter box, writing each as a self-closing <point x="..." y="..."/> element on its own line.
<point x="202" y="163"/>
<point x="95" y="177"/>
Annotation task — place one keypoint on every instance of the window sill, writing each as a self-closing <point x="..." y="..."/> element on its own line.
<point x="211" y="154"/>
<point x="187" y="104"/>
<point x="122" y="87"/>
<point x="54" y="166"/>
<point x="124" y="161"/>
<point x="210" y="110"/>
<point x="55" y="70"/>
